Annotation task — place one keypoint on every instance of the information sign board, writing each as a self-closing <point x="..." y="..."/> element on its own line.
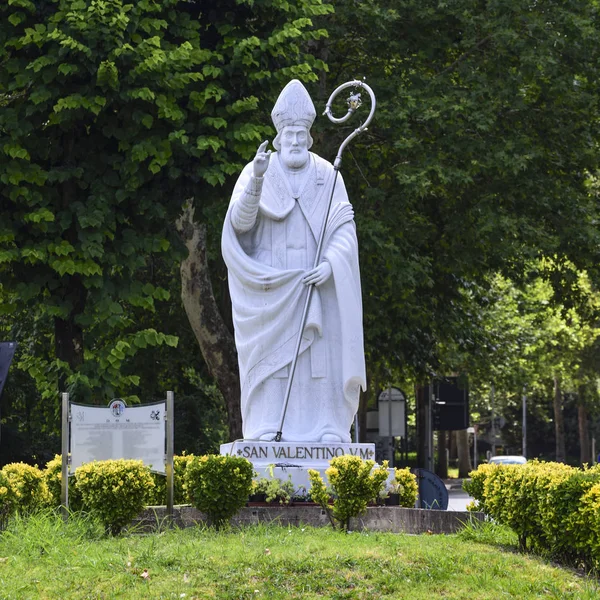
<point x="119" y="431"/>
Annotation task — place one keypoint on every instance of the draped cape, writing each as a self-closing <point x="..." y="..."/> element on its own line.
<point x="268" y="301"/>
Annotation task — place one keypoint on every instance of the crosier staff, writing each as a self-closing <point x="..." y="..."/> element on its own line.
<point x="354" y="102"/>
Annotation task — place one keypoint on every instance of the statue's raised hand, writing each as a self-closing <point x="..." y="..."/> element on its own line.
<point x="261" y="160"/>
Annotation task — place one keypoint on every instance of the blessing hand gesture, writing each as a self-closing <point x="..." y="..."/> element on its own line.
<point x="261" y="160"/>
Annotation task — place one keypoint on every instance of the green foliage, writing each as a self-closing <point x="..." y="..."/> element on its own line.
<point x="274" y="489"/>
<point x="531" y="335"/>
<point x="405" y="485"/>
<point x="354" y="484"/>
<point x="513" y="496"/>
<point x="28" y="487"/>
<point x="158" y="494"/>
<point x="565" y="530"/>
<point x="53" y="479"/>
<point x="318" y="489"/>
<point x="115" y="490"/>
<point x="474" y="486"/>
<point x="219" y="485"/>
<point x="7" y="498"/>
<point x="478" y="159"/>
<point x="550" y="506"/>
<point x="589" y="518"/>
<point x="113" y="114"/>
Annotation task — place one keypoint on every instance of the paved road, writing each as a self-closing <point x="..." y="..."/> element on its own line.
<point x="458" y="499"/>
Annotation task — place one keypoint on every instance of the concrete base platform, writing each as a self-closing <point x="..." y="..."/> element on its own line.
<point x="378" y="518"/>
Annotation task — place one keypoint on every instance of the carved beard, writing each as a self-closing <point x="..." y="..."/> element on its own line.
<point x="294" y="160"/>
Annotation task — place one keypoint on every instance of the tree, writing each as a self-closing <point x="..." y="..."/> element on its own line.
<point x="484" y="134"/>
<point x="114" y="114"/>
<point x="478" y="159"/>
<point x="532" y="340"/>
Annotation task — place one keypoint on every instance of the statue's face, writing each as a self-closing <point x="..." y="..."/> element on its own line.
<point x="294" y="146"/>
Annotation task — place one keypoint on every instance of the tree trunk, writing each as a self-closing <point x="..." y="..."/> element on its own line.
<point x="442" y="464"/>
<point x="559" y="422"/>
<point x="452" y="446"/>
<point x="215" y="340"/>
<point x="585" y="451"/>
<point x="422" y="400"/>
<point x="464" y="456"/>
<point x="363" y="406"/>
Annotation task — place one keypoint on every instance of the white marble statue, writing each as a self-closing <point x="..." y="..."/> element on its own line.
<point x="269" y="245"/>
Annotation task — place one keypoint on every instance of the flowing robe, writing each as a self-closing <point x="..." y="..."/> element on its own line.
<point x="266" y="265"/>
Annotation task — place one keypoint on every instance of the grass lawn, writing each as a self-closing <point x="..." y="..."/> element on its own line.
<point x="45" y="558"/>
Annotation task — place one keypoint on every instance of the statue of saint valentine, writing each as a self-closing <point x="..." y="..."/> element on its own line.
<point x="269" y="244"/>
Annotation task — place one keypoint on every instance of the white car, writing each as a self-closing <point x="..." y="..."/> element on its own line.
<point x="507" y="460"/>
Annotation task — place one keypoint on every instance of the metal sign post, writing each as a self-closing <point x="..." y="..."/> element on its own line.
<point x="429" y="427"/>
<point x="524" y="442"/>
<point x="473" y="430"/>
<point x="66" y="436"/>
<point x="170" y="418"/>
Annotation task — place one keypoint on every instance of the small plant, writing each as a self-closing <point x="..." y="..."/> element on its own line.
<point x="219" y="486"/>
<point x="354" y="482"/>
<point x="28" y="485"/>
<point x="405" y="485"/>
<point x="301" y="495"/>
<point x="115" y="490"/>
<point x="274" y="489"/>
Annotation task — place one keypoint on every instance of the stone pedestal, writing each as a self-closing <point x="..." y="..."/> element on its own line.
<point x="293" y="459"/>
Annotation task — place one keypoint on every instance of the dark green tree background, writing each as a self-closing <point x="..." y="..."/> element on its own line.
<point x="113" y="114"/>
<point x="481" y="159"/>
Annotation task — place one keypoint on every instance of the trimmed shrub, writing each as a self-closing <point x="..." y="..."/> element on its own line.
<point x="474" y="485"/>
<point x="354" y="483"/>
<point x="563" y="529"/>
<point x="553" y="508"/>
<point x="53" y="478"/>
<point x="28" y="485"/>
<point x="7" y="498"/>
<point x="158" y="496"/>
<point x="115" y="490"/>
<point x="589" y="522"/>
<point x="405" y="485"/>
<point x="526" y="516"/>
<point x="219" y="486"/>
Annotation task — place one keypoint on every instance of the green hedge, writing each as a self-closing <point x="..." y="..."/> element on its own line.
<point x="354" y="483"/>
<point x="115" y="490"/>
<point x="53" y="478"/>
<point x="28" y="487"/>
<point x="552" y="507"/>
<point x="158" y="495"/>
<point x="405" y="485"/>
<point x="7" y="498"/>
<point x="219" y="486"/>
